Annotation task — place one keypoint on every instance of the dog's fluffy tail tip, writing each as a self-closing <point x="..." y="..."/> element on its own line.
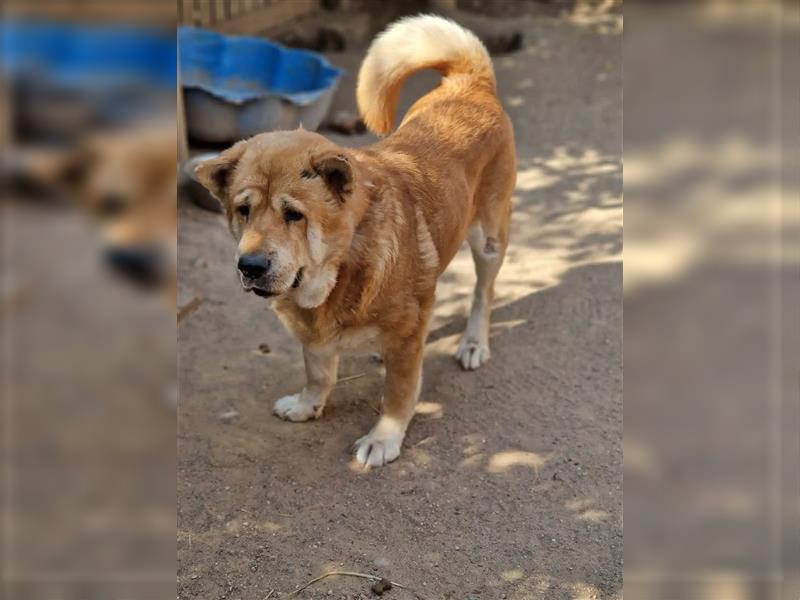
<point x="410" y="45"/>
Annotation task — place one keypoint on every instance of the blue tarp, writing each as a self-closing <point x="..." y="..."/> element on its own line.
<point x="238" y="69"/>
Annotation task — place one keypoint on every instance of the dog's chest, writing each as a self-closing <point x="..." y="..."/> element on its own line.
<point x="302" y="325"/>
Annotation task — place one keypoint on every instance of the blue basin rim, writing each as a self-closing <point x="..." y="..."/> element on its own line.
<point x="239" y="69"/>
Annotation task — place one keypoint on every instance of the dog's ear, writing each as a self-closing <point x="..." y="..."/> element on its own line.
<point x="336" y="172"/>
<point x="215" y="173"/>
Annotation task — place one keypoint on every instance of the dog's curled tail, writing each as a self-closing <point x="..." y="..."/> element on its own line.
<point x="408" y="46"/>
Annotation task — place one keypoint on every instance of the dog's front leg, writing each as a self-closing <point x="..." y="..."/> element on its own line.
<point x="403" y="360"/>
<point x="322" y="363"/>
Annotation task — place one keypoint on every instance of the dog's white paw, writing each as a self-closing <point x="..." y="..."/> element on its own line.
<point x="381" y="445"/>
<point x="472" y="353"/>
<point x="294" y="408"/>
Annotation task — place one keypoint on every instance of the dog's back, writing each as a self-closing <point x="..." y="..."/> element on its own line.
<point x="455" y="144"/>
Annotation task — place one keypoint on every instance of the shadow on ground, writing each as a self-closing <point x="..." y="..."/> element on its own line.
<point x="510" y="480"/>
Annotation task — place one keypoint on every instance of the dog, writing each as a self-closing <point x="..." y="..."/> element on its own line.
<point x="348" y="243"/>
<point x="126" y="179"/>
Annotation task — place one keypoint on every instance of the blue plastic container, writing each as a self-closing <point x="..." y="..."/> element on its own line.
<point x="235" y="87"/>
<point x="88" y="56"/>
<point x="68" y="77"/>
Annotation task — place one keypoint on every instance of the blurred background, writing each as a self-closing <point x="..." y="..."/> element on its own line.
<point x="88" y="299"/>
<point x="711" y="299"/>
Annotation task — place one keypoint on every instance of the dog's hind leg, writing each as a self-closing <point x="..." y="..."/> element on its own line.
<point x="488" y="239"/>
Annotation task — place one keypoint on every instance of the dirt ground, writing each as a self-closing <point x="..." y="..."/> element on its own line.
<point x="510" y="482"/>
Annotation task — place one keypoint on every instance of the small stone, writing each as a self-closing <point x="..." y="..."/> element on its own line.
<point x="228" y="416"/>
<point x="264" y="348"/>
<point x="381" y="563"/>
<point x="381" y="586"/>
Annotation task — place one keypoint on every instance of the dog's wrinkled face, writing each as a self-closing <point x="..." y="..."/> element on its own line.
<point x="286" y="198"/>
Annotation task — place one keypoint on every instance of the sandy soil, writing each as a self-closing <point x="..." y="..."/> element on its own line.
<point x="510" y="484"/>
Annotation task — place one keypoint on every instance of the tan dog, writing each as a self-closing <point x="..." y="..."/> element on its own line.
<point x="128" y="182"/>
<point x="349" y="243"/>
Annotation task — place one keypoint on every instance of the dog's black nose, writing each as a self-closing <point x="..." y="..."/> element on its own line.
<point x="253" y="266"/>
<point x="142" y="265"/>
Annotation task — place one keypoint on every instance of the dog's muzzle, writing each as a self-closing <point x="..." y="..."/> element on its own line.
<point x="254" y="266"/>
<point x="143" y="266"/>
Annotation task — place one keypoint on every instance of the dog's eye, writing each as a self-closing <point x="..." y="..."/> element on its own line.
<point x="290" y="215"/>
<point x="243" y="210"/>
<point x="112" y="206"/>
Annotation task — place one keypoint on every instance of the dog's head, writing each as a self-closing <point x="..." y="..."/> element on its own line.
<point x="126" y="179"/>
<point x="290" y="202"/>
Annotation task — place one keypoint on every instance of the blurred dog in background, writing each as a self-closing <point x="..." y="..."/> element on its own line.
<point x="125" y="179"/>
